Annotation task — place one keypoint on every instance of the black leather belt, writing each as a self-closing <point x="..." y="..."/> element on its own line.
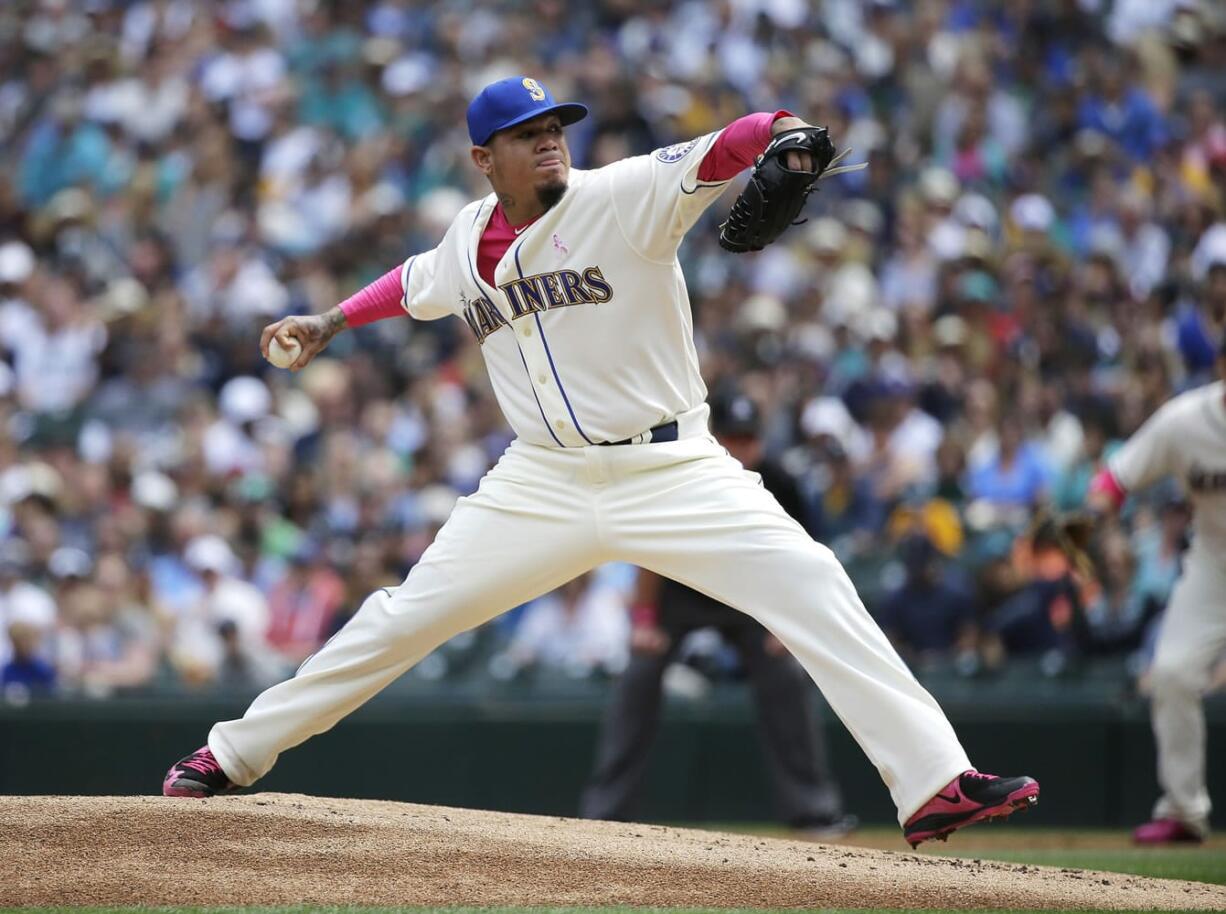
<point x="658" y="435"/>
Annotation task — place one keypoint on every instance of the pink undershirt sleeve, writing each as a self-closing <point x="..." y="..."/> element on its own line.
<point x="1106" y="483"/>
<point x="735" y="149"/>
<point x="379" y="300"/>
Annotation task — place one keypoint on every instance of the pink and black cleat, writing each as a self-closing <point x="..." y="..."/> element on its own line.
<point x="197" y="775"/>
<point x="1166" y="831"/>
<point x="969" y="798"/>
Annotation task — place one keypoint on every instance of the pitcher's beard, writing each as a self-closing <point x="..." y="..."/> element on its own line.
<point x="549" y="195"/>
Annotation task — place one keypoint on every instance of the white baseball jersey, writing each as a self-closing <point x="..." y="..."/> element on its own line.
<point x="587" y="335"/>
<point x="1186" y="438"/>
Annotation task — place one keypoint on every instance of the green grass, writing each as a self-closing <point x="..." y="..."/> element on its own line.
<point x="1088" y="849"/>
<point x="1196" y="864"/>
<point x="305" y="909"/>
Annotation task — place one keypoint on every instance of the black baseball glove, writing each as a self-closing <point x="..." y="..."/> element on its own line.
<point x="776" y="194"/>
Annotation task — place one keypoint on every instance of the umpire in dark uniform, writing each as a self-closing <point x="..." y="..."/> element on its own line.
<point x="664" y="613"/>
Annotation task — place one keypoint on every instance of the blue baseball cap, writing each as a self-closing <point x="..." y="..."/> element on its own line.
<point x="512" y="101"/>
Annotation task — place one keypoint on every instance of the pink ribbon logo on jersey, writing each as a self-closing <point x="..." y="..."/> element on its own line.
<point x="559" y="245"/>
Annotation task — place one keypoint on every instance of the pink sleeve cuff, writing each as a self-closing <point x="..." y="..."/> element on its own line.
<point x="381" y="299"/>
<point x="1106" y="484"/>
<point x="738" y="145"/>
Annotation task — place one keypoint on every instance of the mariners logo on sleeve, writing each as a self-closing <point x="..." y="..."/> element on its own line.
<point x="676" y="152"/>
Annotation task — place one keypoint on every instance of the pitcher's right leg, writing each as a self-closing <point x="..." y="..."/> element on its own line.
<point x="529" y="528"/>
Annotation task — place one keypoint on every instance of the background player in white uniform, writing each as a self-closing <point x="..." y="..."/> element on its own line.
<point x="570" y="281"/>
<point x="1186" y="438"/>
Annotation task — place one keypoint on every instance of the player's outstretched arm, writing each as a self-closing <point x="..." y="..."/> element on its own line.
<point x="377" y="301"/>
<point x="1148" y="455"/>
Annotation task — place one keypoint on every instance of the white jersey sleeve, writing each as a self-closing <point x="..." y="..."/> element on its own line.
<point x="1150" y="453"/>
<point x="658" y="197"/>
<point x="428" y="282"/>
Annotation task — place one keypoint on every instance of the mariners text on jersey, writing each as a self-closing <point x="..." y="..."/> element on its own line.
<point x="536" y="293"/>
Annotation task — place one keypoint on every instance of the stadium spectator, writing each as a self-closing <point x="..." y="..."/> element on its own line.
<point x="581" y="629"/>
<point x="1039" y="242"/>
<point x="1118" y="615"/>
<point x="303" y="603"/>
<point x="26" y="672"/>
<point x="23" y="603"/>
<point x="930" y="617"/>
<point x="1017" y="475"/>
<point x="201" y="639"/>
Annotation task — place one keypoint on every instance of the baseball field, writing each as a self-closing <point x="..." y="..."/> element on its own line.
<point x="282" y="852"/>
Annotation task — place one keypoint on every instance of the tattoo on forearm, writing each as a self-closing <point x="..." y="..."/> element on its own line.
<point x="334" y="320"/>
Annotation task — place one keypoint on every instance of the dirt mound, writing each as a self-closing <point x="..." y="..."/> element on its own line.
<point x="277" y="849"/>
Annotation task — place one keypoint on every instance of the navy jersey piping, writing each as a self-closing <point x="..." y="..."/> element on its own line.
<point x="472" y="270"/>
<point x="549" y="355"/>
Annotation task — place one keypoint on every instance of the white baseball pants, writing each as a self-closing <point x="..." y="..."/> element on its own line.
<point x="684" y="509"/>
<point x="1192" y="638"/>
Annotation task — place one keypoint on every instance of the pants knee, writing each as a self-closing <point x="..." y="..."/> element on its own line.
<point x="1170" y="676"/>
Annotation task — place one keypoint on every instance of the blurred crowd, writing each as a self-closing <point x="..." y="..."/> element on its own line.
<point x="1034" y="260"/>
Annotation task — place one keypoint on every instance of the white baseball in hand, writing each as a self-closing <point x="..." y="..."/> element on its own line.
<point x="283" y="356"/>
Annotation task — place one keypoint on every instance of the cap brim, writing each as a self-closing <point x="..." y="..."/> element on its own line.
<point x="568" y="112"/>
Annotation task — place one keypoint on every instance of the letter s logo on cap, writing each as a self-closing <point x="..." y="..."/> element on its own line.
<point x="534" y="89"/>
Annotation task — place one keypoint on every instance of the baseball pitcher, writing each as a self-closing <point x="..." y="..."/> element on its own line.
<point x="1186" y="438"/>
<point x="570" y="283"/>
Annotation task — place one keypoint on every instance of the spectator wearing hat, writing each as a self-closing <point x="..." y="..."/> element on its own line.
<point x="243" y="665"/>
<point x="843" y="511"/>
<point x="665" y="612"/>
<point x="930" y="616"/>
<point x="230" y="443"/>
<point x="26" y="671"/>
<point x="198" y="642"/>
<point x="24" y="604"/>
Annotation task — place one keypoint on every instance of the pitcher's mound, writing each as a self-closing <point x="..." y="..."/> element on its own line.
<point x="280" y="849"/>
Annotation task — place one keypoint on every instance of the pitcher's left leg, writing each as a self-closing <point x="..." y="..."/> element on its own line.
<point x="708" y="523"/>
